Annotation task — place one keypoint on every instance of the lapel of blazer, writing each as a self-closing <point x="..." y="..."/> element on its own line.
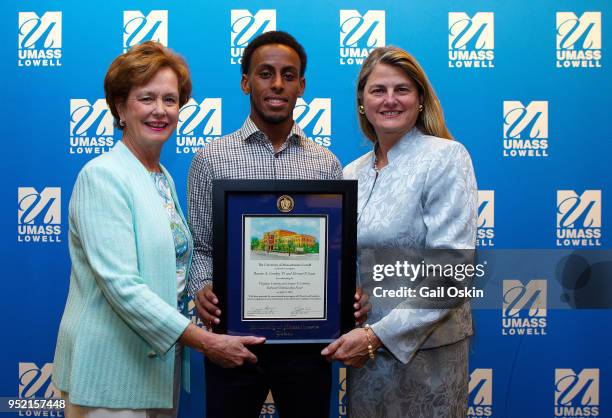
<point x="142" y="181"/>
<point x="146" y="184"/>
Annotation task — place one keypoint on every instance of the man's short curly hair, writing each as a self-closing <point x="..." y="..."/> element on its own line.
<point x="273" y="37"/>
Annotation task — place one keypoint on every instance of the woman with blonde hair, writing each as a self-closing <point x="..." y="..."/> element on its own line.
<point x="417" y="194"/>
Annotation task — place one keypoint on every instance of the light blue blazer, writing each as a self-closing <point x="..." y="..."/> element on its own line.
<point x="115" y="346"/>
<point x="425" y="198"/>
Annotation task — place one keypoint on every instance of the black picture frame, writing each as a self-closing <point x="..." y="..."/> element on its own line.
<point x="249" y="198"/>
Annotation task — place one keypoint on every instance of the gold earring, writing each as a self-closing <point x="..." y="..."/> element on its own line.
<point x="420" y="108"/>
<point x="361" y="110"/>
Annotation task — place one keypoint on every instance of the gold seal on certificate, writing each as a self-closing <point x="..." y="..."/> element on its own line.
<point x="285" y="203"/>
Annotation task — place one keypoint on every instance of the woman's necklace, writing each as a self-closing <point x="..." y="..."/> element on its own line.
<point x="377" y="164"/>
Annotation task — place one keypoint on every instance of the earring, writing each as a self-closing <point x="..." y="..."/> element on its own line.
<point x="361" y="110"/>
<point x="420" y="108"/>
<point x="121" y="123"/>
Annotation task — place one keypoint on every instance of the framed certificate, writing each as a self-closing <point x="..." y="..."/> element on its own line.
<point x="284" y="258"/>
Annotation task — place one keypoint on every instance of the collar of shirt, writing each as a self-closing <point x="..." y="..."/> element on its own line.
<point x="250" y="132"/>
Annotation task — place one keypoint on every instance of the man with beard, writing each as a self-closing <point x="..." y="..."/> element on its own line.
<point x="270" y="145"/>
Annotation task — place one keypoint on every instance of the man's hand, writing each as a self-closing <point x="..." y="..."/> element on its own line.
<point x="362" y="307"/>
<point x="206" y="305"/>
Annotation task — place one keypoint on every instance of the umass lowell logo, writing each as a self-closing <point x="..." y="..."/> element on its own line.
<point x="576" y="394"/>
<point x="579" y="218"/>
<point x="244" y="26"/>
<point x="480" y="392"/>
<point x="525" y="129"/>
<point x="39" y="214"/>
<point x="39" y="39"/>
<point x="524" y="307"/>
<point x="199" y="123"/>
<point x="35" y="382"/>
<point x="342" y="396"/>
<point x="578" y="40"/>
<point x="138" y="28"/>
<point x="486" y="218"/>
<point x="470" y="40"/>
<point x="315" y="119"/>
<point x="91" y="127"/>
<point x="360" y="34"/>
<point x="268" y="409"/>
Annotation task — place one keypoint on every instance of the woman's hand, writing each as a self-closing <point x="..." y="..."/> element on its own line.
<point x="224" y="350"/>
<point x="352" y="348"/>
<point x="230" y="351"/>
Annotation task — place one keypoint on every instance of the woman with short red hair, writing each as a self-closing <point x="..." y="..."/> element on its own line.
<point x="119" y="349"/>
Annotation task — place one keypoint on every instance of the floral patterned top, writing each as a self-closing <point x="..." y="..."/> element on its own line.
<point x="182" y="244"/>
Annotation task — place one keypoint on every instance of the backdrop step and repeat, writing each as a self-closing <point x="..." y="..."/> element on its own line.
<point x="524" y="85"/>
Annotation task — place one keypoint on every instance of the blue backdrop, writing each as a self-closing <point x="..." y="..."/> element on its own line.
<point x="524" y="86"/>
